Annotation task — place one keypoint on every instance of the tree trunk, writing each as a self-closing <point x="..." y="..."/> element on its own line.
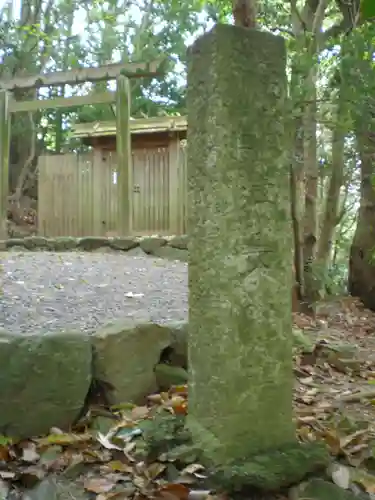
<point x="307" y="25"/>
<point x="297" y="182"/>
<point x="31" y="58"/>
<point x="332" y="205"/>
<point x="310" y="223"/>
<point x="361" y="264"/>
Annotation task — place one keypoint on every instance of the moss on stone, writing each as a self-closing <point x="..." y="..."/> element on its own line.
<point x="164" y="433"/>
<point x="15" y="242"/>
<point x="167" y="375"/>
<point x="273" y="470"/>
<point x="92" y="243"/>
<point x="318" y="489"/>
<point x="240" y="244"/>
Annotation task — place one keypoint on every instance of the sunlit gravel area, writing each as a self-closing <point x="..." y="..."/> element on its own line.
<point x="46" y="291"/>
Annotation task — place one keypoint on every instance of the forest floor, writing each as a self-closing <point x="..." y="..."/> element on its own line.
<point x="105" y="456"/>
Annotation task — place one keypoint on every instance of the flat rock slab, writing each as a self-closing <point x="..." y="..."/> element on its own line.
<point x="44" y="380"/>
<point x="149" y="245"/>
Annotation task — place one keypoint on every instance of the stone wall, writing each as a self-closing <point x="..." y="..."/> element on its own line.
<point x="172" y="247"/>
<point x="53" y="378"/>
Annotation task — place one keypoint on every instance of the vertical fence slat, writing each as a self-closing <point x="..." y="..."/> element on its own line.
<point x="79" y="196"/>
<point x="5" y="122"/>
<point x="174" y="186"/>
<point x="123" y="146"/>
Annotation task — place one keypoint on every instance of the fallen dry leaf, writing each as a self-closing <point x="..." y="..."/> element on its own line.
<point x="98" y="485"/>
<point x="173" y="491"/>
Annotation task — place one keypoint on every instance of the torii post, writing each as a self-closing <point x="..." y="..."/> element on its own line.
<point x="122" y="72"/>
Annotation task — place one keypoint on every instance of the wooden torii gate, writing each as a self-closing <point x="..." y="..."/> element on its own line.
<point x="122" y="73"/>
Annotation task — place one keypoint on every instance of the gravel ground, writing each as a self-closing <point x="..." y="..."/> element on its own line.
<point x="45" y="291"/>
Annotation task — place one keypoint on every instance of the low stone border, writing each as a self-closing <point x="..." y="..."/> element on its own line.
<point x="174" y="247"/>
<point x="50" y="380"/>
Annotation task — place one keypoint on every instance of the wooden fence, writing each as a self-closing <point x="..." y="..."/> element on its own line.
<point x="78" y="193"/>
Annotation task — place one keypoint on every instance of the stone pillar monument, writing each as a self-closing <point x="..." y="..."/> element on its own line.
<point x="240" y="247"/>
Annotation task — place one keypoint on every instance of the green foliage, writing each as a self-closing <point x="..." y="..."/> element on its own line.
<point x="66" y="34"/>
<point x="336" y="279"/>
<point x="367" y="10"/>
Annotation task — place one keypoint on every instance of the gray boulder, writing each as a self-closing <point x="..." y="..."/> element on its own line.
<point x="125" y="355"/>
<point x="149" y="245"/>
<point x="89" y="243"/>
<point x="36" y="243"/>
<point x="62" y="243"/>
<point x="44" y="380"/>
<point x="15" y="242"/>
<point x="319" y="489"/>
<point x="179" y="348"/>
<point x="122" y="243"/>
<point x="180" y="242"/>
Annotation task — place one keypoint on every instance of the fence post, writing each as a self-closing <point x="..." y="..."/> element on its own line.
<point x="5" y="121"/>
<point x="124" y="158"/>
<point x="175" y="195"/>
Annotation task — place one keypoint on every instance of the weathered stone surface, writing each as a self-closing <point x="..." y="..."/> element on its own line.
<point x="170" y="253"/>
<point x="15" y="242"/>
<point x="167" y="375"/>
<point x="240" y="245"/>
<point x="180" y="242"/>
<point x="272" y="470"/>
<point x="44" y="380"/>
<point x="125" y="355"/>
<point x="63" y="243"/>
<point x="318" y="489"/>
<point x="92" y="243"/>
<point x="123" y="243"/>
<point x="149" y="245"/>
<point x="179" y="343"/>
<point x="174" y="248"/>
<point x="35" y="242"/>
